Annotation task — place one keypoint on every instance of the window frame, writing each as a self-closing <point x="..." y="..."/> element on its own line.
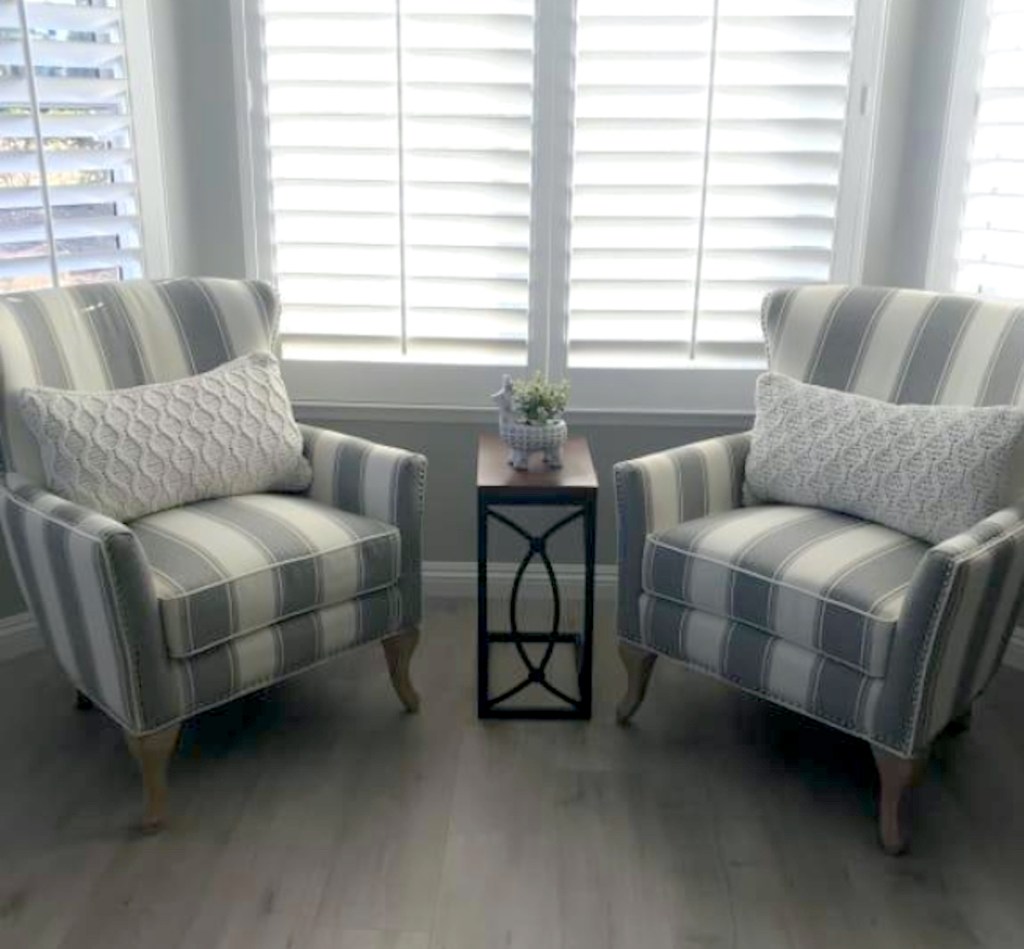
<point x="700" y="387"/>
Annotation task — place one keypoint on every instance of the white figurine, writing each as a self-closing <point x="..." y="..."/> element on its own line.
<point x="505" y="401"/>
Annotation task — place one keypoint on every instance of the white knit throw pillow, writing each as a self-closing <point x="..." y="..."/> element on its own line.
<point x="131" y="452"/>
<point x="930" y="471"/>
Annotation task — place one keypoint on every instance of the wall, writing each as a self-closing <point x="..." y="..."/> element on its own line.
<point x="194" y="75"/>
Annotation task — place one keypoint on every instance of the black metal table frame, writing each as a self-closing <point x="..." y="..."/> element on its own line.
<point x="585" y="507"/>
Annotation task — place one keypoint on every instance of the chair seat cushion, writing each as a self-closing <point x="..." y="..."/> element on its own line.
<point x="825" y="581"/>
<point x="768" y="666"/>
<point x="226" y="567"/>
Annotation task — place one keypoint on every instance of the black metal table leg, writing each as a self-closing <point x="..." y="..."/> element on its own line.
<point x="483" y="672"/>
<point x="590" y="557"/>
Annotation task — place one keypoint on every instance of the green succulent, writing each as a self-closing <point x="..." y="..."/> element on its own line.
<point x="538" y="401"/>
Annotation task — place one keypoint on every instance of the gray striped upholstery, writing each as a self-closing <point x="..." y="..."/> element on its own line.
<point x="227" y="567"/>
<point x="105" y="628"/>
<point x="937" y="619"/>
<point x="961" y="610"/>
<point x="658" y="491"/>
<point x="830" y="583"/>
<point x="192" y="607"/>
<point x="380" y="482"/>
<point x="763" y="664"/>
<point x="952" y="631"/>
<point x="87" y="583"/>
<point x="109" y="336"/>
<point x="898" y="345"/>
<point x="276" y="652"/>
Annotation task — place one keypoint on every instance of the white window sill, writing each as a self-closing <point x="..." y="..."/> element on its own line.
<point x="694" y="388"/>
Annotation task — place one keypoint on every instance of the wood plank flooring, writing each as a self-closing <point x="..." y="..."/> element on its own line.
<point x="318" y="815"/>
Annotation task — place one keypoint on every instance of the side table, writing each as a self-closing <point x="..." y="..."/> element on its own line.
<point x="574" y="486"/>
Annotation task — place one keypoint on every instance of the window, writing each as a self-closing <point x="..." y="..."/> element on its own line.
<point x="707" y="161"/>
<point x="570" y="187"/>
<point x="984" y="182"/>
<point x="69" y="209"/>
<point x="400" y="173"/>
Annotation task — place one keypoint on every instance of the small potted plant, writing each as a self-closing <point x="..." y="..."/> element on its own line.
<point x="530" y="419"/>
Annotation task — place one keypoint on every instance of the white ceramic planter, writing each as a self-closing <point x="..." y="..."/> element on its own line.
<point x="524" y="440"/>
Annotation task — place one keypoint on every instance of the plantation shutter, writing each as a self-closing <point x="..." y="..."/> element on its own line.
<point x="707" y="156"/>
<point x="68" y="201"/>
<point x="400" y="154"/>
<point x="990" y="255"/>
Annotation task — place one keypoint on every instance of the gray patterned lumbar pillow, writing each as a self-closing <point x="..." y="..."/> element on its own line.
<point x="930" y="471"/>
<point x="130" y="452"/>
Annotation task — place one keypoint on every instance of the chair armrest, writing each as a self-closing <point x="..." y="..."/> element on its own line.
<point x="657" y="491"/>
<point x="961" y="608"/>
<point x="88" y="584"/>
<point x="387" y="484"/>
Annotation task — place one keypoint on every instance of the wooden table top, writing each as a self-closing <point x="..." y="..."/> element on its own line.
<point x="496" y="476"/>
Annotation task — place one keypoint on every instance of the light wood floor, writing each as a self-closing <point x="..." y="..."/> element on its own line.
<point x="318" y="815"/>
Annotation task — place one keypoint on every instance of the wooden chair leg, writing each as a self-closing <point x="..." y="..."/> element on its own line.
<point x="896" y="776"/>
<point x="398" y="652"/>
<point x="960" y="724"/>
<point x="639" y="664"/>
<point x="82" y="702"/>
<point x="153" y="754"/>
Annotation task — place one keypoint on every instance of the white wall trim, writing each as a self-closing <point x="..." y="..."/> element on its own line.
<point x="18" y="636"/>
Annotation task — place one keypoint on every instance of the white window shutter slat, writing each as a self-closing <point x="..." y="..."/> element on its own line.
<point x="68" y="201"/>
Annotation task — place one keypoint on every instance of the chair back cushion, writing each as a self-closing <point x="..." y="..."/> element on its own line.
<point x="115" y="335"/>
<point x="905" y="346"/>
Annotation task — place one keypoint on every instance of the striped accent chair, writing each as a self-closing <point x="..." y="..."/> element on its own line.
<point x="845" y="621"/>
<point x="186" y="609"/>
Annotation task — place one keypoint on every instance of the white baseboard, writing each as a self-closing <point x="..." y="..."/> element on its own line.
<point x="18" y="636"/>
<point x="457" y="579"/>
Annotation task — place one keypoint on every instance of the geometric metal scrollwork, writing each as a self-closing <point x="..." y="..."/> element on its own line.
<point x="536" y="546"/>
